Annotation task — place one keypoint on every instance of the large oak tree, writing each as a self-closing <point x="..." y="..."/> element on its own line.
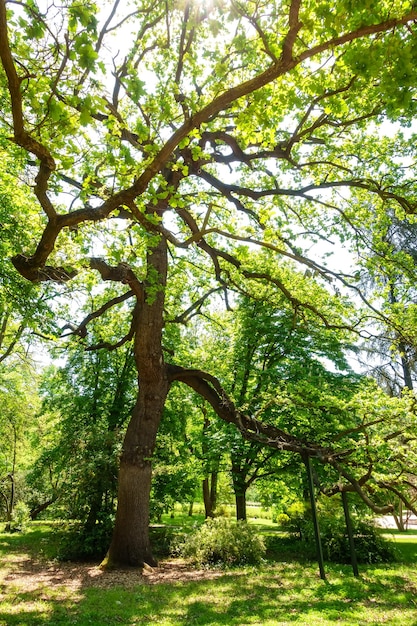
<point x="165" y="140"/>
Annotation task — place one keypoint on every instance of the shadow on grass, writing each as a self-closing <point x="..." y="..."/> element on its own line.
<point x="286" y="592"/>
<point x="280" y="594"/>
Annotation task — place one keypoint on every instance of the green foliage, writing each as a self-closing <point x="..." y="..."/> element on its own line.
<point x="78" y="542"/>
<point x="24" y="307"/>
<point x="171" y="484"/>
<point x="293" y="519"/>
<point x="19" y="403"/>
<point x="221" y="541"/>
<point x="20" y="518"/>
<point x="290" y="369"/>
<point x="85" y="406"/>
<point x="370" y="545"/>
<point x="176" y="471"/>
<point x="253" y="125"/>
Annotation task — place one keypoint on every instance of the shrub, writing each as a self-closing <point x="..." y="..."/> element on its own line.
<point x="224" y="542"/>
<point x="370" y="546"/>
<point x="80" y="543"/>
<point x="296" y="520"/>
<point x="20" y="518"/>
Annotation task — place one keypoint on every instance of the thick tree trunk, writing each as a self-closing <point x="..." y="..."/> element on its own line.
<point x="130" y="543"/>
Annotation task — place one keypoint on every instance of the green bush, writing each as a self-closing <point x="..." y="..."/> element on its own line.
<point x="295" y="520"/>
<point x="370" y="545"/>
<point x="80" y="543"/>
<point x="222" y="541"/>
<point x="20" y="518"/>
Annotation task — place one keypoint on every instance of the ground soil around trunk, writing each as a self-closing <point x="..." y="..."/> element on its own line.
<point x="26" y="574"/>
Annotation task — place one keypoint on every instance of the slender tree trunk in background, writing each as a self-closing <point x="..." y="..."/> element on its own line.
<point x="210" y="494"/>
<point x="399" y="517"/>
<point x="10" y="503"/>
<point x="96" y="506"/>
<point x="211" y="467"/>
<point x="130" y="543"/>
<point x="11" y="477"/>
<point x="408" y="381"/>
<point x="240" y="489"/>
<point x="405" y="364"/>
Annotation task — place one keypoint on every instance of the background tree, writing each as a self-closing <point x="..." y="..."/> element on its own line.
<point x="19" y="402"/>
<point x="209" y="132"/>
<point x="388" y="267"/>
<point x="281" y="358"/>
<point x="177" y="471"/>
<point x="88" y="401"/>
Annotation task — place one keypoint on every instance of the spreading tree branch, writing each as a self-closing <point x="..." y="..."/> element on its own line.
<point x="81" y="329"/>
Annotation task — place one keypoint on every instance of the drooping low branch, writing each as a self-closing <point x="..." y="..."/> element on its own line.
<point x="37" y="510"/>
<point x="252" y="429"/>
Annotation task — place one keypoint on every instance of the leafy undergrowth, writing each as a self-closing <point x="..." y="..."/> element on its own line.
<point x="279" y="593"/>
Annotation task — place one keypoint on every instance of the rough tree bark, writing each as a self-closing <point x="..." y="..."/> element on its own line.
<point x="130" y="543"/>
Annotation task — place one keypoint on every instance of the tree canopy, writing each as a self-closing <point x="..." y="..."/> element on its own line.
<point x="165" y="142"/>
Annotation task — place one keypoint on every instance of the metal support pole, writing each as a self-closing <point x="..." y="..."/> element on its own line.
<point x="350" y="534"/>
<point x="315" y="518"/>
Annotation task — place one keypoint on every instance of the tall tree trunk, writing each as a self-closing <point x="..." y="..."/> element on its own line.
<point x="10" y="503"/>
<point x="130" y="543"/>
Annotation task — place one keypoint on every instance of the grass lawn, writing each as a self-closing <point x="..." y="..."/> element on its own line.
<point x="277" y="593"/>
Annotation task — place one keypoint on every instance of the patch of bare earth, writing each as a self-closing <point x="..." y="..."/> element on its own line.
<point x="26" y="575"/>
